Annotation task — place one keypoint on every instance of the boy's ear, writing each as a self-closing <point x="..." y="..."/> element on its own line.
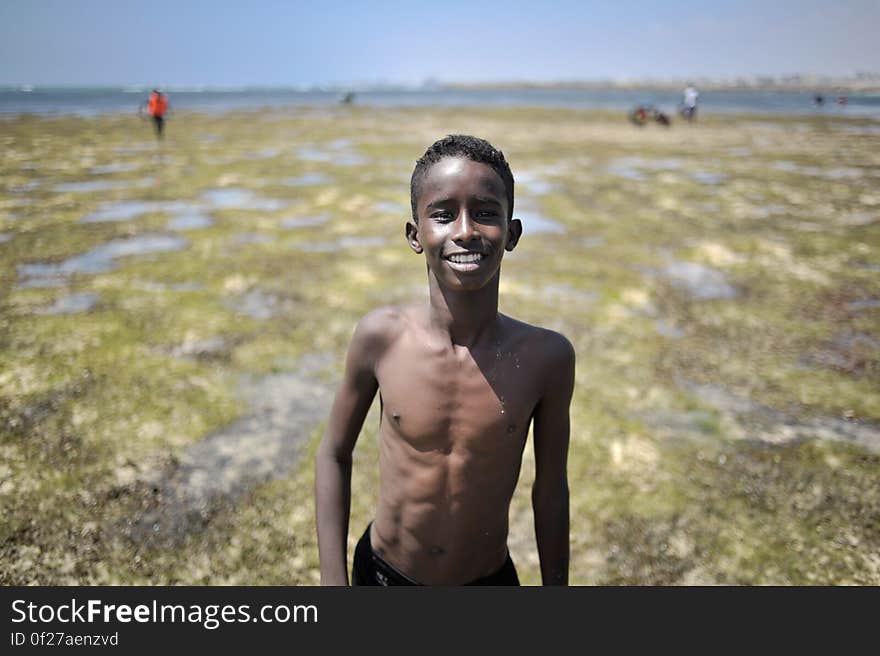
<point x="412" y="237"/>
<point x="514" y="232"/>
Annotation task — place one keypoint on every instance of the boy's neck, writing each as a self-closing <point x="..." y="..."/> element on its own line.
<point x="467" y="317"/>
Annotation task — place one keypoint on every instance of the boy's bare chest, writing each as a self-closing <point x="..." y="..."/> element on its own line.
<point x="444" y="398"/>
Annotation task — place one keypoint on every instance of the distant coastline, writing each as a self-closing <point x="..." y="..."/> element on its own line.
<point x="859" y="83"/>
<point x="866" y="83"/>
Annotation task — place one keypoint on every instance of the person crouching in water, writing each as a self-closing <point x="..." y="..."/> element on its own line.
<point x="459" y="384"/>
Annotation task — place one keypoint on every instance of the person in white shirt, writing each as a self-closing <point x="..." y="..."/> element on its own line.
<point x="689" y="102"/>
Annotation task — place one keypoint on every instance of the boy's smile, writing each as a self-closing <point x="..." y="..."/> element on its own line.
<point x="463" y="228"/>
<point x="464" y="261"/>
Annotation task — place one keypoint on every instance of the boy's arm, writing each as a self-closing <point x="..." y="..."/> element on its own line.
<point x="333" y="465"/>
<point x="551" y="436"/>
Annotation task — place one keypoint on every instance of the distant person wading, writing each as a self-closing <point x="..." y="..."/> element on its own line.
<point x="689" y="102"/>
<point x="157" y="108"/>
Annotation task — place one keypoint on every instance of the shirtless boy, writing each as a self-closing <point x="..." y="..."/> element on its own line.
<point x="459" y="383"/>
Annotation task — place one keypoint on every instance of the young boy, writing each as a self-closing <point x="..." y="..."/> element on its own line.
<point x="459" y="384"/>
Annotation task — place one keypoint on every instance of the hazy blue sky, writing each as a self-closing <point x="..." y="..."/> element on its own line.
<point x="96" y="42"/>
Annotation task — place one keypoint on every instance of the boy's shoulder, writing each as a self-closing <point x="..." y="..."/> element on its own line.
<point x="535" y="336"/>
<point x="382" y="326"/>
<point x="390" y="317"/>
<point x="543" y="355"/>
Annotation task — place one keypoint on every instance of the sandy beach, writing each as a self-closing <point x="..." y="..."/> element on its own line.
<point x="173" y="320"/>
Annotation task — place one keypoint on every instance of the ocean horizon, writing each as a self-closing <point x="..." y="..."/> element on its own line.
<point x="90" y="101"/>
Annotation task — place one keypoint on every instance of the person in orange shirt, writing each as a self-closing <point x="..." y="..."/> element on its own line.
<point x="157" y="108"/>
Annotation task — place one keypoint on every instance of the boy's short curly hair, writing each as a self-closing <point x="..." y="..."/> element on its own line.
<point x="461" y="145"/>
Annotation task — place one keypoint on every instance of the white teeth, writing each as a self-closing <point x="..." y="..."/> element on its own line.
<point x="466" y="258"/>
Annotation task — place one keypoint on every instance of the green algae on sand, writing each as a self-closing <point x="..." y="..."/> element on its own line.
<point x="718" y="280"/>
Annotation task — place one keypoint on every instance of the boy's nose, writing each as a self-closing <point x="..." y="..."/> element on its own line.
<point x="465" y="227"/>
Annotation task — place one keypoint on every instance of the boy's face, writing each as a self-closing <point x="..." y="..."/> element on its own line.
<point x="463" y="228"/>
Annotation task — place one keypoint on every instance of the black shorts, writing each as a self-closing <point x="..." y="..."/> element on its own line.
<point x="369" y="568"/>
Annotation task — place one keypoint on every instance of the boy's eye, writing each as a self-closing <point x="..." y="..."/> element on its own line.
<point x="443" y="215"/>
